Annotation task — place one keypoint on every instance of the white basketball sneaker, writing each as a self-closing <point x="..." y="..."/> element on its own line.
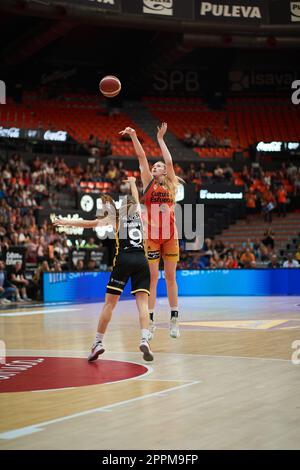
<point x="174" y="328"/>
<point x="145" y="348"/>
<point x="97" y="349"/>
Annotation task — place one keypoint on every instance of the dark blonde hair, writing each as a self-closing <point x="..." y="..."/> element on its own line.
<point x="112" y="211"/>
<point x="172" y="187"/>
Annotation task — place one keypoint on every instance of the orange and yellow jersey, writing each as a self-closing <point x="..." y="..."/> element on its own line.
<point x="160" y="220"/>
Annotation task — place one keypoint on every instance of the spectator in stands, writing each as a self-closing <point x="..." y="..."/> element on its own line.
<point x="188" y="140"/>
<point x="231" y="262"/>
<point x="245" y="176"/>
<point x="56" y="266"/>
<point x="107" y="148"/>
<point x="247" y="259"/>
<point x="274" y="264"/>
<point x="251" y="200"/>
<point x="58" y="250"/>
<point x="282" y="201"/>
<point x="219" y="247"/>
<point x="91" y="265"/>
<point x="291" y="171"/>
<point x="268" y="239"/>
<point x="112" y="171"/>
<point x="6" y="288"/>
<point x="264" y="253"/>
<point x="41" y="250"/>
<point x="248" y="244"/>
<point x="228" y="173"/>
<point x="18" y="280"/>
<point x="218" y="174"/>
<point x="92" y="145"/>
<point x="38" y="278"/>
<point x="226" y="142"/>
<point x="268" y="203"/>
<point x="297" y="255"/>
<point x="290" y="262"/>
<point x="79" y="266"/>
<point x="297" y="184"/>
<point x="91" y="243"/>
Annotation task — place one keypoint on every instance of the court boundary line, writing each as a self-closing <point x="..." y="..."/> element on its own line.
<point x="20" y="313"/>
<point x="27" y="430"/>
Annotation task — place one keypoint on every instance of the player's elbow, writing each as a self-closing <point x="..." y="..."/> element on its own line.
<point x="141" y="156"/>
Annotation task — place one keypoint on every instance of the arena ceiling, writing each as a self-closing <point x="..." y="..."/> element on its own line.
<point x="47" y="45"/>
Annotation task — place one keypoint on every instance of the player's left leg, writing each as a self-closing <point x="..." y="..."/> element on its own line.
<point x="111" y="301"/>
<point x="171" y="257"/>
<point x="140" y="283"/>
<point x="142" y="305"/>
<point x="153" y="256"/>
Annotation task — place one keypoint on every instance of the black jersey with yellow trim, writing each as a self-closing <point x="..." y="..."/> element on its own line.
<point x="130" y="234"/>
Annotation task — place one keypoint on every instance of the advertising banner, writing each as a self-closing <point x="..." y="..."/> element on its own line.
<point x="284" y="12"/>
<point x="33" y="134"/>
<point x="231" y="11"/>
<point x="91" y="286"/>
<point x="110" y="5"/>
<point x="261" y="81"/>
<point x="177" y="9"/>
<point x="99" y="257"/>
<point x="220" y="194"/>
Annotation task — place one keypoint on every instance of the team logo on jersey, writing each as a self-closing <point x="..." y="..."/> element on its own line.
<point x="155" y="187"/>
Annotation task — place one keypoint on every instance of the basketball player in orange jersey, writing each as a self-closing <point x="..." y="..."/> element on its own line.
<point x="159" y="187"/>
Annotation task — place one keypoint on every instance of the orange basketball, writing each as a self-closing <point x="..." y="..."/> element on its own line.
<point x="110" y="86"/>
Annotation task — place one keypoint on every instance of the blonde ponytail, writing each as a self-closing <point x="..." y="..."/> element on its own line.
<point x="172" y="186"/>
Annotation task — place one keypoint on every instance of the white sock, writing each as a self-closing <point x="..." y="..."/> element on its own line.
<point x="99" y="337"/>
<point x="145" y="334"/>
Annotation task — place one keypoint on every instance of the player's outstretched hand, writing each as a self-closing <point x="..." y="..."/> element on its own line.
<point x="162" y="130"/>
<point x="127" y="130"/>
<point x="130" y="179"/>
<point x="58" y="222"/>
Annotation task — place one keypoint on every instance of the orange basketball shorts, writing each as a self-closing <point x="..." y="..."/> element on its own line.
<point x="167" y="249"/>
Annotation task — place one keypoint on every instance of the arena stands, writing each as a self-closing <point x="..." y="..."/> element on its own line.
<point x="30" y="184"/>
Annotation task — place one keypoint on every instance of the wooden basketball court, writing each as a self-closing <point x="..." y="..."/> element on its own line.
<point x="227" y="383"/>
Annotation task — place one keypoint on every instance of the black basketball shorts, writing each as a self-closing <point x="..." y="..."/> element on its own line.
<point x="133" y="265"/>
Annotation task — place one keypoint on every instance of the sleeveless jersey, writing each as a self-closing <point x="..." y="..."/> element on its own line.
<point x="129" y="236"/>
<point x="160" y="220"/>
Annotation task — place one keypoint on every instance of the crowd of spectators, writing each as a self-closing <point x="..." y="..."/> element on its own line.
<point x="26" y="187"/>
<point x="205" y="139"/>
<point x="98" y="148"/>
<point x="251" y="254"/>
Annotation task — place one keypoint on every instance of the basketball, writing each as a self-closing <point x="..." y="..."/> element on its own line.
<point x="110" y="86"/>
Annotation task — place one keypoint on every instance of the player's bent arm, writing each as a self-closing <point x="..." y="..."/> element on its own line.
<point x="143" y="162"/>
<point x="83" y="223"/>
<point x="140" y="153"/>
<point x="167" y="158"/>
<point x="134" y="191"/>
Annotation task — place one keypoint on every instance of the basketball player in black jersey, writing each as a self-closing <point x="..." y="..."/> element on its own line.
<point x="129" y="262"/>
